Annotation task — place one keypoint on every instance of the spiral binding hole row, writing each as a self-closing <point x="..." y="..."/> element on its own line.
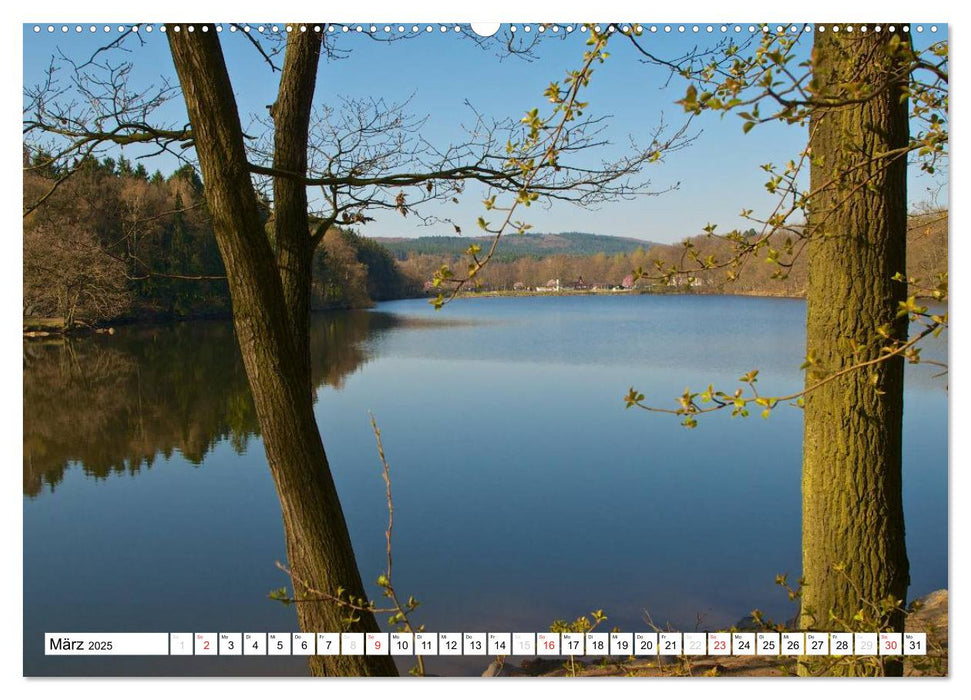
<point x="456" y="28"/>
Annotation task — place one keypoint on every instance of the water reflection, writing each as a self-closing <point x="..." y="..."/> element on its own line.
<point x="522" y="482"/>
<point x="114" y="404"/>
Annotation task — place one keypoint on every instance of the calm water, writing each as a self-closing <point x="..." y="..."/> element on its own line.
<point x="524" y="491"/>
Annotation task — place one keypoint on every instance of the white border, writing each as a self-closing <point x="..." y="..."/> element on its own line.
<point x="446" y="11"/>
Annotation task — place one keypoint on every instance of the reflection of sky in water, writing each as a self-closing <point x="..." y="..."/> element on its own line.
<point x="694" y="335"/>
<point x="524" y="491"/>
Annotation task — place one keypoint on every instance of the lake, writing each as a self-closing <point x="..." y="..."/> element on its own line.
<point x="524" y="491"/>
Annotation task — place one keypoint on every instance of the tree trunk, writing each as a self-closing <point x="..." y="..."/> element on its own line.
<point x="851" y="487"/>
<point x="318" y="545"/>
<point x="291" y="128"/>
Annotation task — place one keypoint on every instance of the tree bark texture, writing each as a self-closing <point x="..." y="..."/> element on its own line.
<point x="291" y="128"/>
<point x="318" y="544"/>
<point x="851" y="486"/>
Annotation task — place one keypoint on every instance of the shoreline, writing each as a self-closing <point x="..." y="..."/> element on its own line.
<point x="40" y="327"/>
<point x="929" y="615"/>
<point x="620" y="292"/>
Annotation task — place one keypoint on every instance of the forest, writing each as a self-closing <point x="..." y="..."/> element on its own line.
<point x="114" y="243"/>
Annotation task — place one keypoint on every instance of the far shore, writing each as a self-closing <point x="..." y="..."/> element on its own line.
<point x="41" y="327"/>
<point x="623" y="292"/>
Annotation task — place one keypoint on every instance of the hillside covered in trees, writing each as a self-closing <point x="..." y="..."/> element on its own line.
<point x="535" y="245"/>
<point x="926" y="258"/>
<point x="112" y="242"/>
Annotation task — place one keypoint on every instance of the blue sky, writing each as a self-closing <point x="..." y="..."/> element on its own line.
<point x="719" y="173"/>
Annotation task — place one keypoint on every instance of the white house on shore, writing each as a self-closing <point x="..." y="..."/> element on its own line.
<point x="683" y="280"/>
<point x="550" y="286"/>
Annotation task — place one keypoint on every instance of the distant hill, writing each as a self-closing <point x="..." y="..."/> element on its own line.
<point x="515" y="246"/>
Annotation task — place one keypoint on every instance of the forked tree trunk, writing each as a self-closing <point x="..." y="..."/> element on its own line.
<point x="851" y="488"/>
<point x="318" y="545"/>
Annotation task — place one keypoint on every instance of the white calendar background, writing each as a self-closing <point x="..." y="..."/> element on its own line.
<point x="644" y="644"/>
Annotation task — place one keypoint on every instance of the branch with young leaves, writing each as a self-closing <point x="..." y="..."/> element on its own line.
<point x="872" y="615"/>
<point x="771" y="80"/>
<point x="352" y="605"/>
<point x="534" y="164"/>
<point x="742" y="80"/>
<point x="581" y="625"/>
<point x="692" y="404"/>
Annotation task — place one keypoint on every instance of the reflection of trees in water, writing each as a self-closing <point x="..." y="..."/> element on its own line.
<point x="114" y="403"/>
<point x="337" y="346"/>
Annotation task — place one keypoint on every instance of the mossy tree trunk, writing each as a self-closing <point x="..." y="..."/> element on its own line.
<point x="852" y="493"/>
<point x="273" y="345"/>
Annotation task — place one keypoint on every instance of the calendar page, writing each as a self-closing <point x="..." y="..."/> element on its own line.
<point x="513" y="349"/>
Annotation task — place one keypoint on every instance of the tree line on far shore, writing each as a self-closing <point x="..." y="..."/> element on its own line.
<point x="926" y="258"/>
<point x="112" y="242"/>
